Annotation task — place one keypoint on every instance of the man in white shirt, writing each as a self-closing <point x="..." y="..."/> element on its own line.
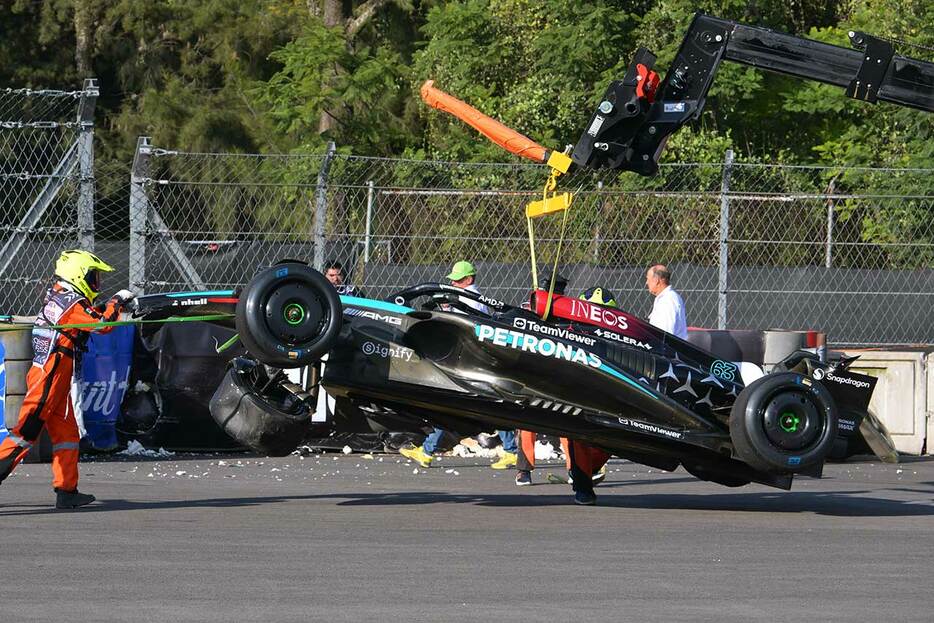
<point x="668" y="310"/>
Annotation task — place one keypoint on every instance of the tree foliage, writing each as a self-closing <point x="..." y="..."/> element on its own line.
<point x="254" y="75"/>
<point x="289" y="75"/>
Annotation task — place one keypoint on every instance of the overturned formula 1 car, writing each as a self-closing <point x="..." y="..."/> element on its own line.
<point x="587" y="372"/>
<point x="564" y="366"/>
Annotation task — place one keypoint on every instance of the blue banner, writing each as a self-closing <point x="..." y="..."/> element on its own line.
<point x="105" y="372"/>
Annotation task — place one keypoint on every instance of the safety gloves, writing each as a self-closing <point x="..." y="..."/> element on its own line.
<point x="123" y="297"/>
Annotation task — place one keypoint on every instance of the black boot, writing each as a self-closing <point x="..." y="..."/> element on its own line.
<point x="585" y="497"/>
<point x="72" y="499"/>
<point x="583" y="487"/>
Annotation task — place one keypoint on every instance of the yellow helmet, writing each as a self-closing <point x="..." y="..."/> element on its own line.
<point x="600" y="296"/>
<point x="82" y="270"/>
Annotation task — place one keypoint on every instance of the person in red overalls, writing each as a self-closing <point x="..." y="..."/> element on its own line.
<point x="586" y="464"/>
<point x="48" y="400"/>
<point x="589" y="460"/>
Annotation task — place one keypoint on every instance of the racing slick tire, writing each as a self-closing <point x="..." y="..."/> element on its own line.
<point x="255" y="410"/>
<point x="783" y="423"/>
<point x="288" y="315"/>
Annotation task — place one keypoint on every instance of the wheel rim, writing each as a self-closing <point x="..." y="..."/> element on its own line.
<point x="792" y="422"/>
<point x="294" y="314"/>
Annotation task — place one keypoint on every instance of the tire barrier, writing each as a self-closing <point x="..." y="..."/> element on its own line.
<point x="17" y="359"/>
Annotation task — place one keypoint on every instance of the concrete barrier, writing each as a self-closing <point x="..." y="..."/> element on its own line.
<point x="763" y="348"/>
<point x="903" y="398"/>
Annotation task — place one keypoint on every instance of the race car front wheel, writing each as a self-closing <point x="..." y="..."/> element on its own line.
<point x="783" y="423"/>
<point x="288" y="315"/>
<point x="258" y="411"/>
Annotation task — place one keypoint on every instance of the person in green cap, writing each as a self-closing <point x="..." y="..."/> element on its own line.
<point x="464" y="275"/>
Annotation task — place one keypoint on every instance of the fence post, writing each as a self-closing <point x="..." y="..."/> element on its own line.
<point x="828" y="253"/>
<point x="601" y="217"/>
<point x="86" y="164"/>
<point x="723" y="281"/>
<point x="370" y="200"/>
<point x="321" y="206"/>
<point x="139" y="214"/>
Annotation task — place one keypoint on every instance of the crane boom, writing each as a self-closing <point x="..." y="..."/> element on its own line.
<point x="632" y="123"/>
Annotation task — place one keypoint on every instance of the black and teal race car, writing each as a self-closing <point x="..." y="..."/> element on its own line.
<point x="572" y="368"/>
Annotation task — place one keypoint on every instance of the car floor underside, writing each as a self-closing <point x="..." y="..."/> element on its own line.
<point x="471" y="414"/>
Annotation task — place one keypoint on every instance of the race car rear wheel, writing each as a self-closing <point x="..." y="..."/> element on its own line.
<point x="783" y="423"/>
<point x="289" y="315"/>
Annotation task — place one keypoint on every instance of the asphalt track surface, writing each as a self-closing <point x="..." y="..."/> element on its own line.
<point x="347" y="538"/>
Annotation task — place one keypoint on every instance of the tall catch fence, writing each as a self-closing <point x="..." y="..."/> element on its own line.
<point x="49" y="196"/>
<point x="848" y="251"/>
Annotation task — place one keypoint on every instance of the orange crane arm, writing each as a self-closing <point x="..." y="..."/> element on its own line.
<point x="504" y="136"/>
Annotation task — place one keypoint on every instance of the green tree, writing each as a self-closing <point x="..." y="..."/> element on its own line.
<point x="535" y="65"/>
<point x="329" y="90"/>
<point x="186" y="69"/>
<point x="344" y="78"/>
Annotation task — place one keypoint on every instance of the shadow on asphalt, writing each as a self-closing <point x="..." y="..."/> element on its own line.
<point x="849" y="504"/>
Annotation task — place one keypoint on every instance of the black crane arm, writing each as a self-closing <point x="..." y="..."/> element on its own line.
<point x="631" y="125"/>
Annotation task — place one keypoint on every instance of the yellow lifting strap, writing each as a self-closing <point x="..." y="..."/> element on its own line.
<point x="550" y="203"/>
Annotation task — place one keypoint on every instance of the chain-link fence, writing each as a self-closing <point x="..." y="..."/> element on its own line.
<point x="210" y="220"/>
<point x="849" y="251"/>
<point x="845" y="250"/>
<point x="48" y="196"/>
